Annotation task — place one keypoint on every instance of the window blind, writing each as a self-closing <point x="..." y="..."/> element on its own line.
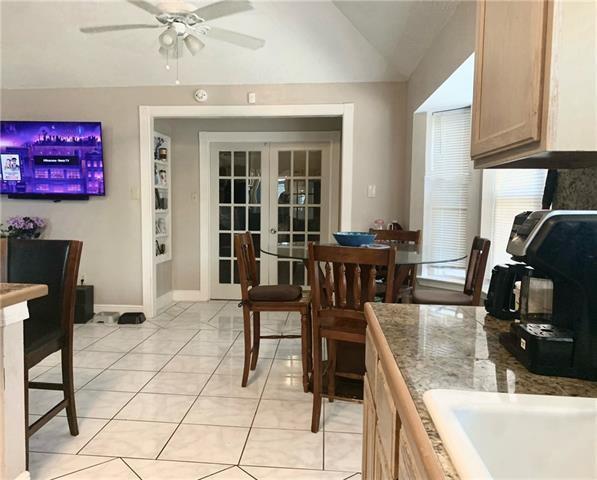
<point x="514" y="192"/>
<point x="449" y="184"/>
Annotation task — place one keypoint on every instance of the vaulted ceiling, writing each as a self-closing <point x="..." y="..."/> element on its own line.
<point x="306" y="42"/>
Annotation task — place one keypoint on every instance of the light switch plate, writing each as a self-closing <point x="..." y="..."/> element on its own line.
<point x="371" y="191"/>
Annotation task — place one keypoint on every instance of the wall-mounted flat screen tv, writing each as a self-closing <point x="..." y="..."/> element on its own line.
<point x="60" y="160"/>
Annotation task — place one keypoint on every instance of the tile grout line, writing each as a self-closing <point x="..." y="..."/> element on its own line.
<point x="81" y="469"/>
<point x="113" y="417"/>
<point x="259" y="401"/>
<point x="202" y="388"/>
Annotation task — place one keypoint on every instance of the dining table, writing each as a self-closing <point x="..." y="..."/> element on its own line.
<point x="407" y="256"/>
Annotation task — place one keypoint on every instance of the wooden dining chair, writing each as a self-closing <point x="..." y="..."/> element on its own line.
<point x="398" y="238"/>
<point x="49" y="327"/>
<point x="346" y="276"/>
<point x="475" y="273"/>
<point x="268" y="298"/>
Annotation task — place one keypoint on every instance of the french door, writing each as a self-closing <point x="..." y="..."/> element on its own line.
<point x="281" y="193"/>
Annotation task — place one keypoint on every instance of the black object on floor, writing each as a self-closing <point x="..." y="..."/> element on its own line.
<point x="133" y="318"/>
<point x="84" y="304"/>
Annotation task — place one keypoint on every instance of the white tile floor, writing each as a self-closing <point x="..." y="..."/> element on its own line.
<point x="163" y="400"/>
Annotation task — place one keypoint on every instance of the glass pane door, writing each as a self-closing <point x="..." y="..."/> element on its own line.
<point x="300" y="206"/>
<point x="237" y="206"/>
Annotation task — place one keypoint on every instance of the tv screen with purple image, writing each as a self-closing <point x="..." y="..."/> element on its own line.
<point x="54" y="159"/>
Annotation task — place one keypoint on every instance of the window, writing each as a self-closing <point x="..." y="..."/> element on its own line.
<point x="506" y="193"/>
<point x="451" y="213"/>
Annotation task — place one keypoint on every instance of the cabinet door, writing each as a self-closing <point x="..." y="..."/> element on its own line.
<point x="369" y="422"/>
<point x="509" y="75"/>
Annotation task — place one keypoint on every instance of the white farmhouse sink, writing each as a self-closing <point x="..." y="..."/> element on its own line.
<point x="515" y="436"/>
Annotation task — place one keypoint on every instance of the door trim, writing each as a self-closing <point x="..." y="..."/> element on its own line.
<point x="147" y="114"/>
<point x="206" y="139"/>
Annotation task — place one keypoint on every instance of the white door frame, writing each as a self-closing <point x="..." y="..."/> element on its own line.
<point x="147" y="115"/>
<point x="206" y="139"/>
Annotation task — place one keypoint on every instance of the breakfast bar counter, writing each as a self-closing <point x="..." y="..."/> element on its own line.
<point x="415" y="348"/>
<point x="13" y="311"/>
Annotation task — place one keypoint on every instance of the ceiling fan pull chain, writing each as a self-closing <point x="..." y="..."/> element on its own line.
<point x="177" y="62"/>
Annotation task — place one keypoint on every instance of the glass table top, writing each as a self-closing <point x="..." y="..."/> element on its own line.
<point x="405" y="254"/>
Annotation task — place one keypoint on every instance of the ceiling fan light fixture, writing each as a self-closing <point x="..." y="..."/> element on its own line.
<point x="193" y="44"/>
<point x="168" y="38"/>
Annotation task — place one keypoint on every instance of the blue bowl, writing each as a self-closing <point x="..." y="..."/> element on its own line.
<point x="354" y="239"/>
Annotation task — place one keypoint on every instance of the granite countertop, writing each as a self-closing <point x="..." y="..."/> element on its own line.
<point x="458" y="348"/>
<point x="12" y="293"/>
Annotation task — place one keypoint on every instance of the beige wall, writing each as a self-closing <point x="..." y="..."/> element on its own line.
<point x="454" y="44"/>
<point x="185" y="180"/>
<point x="110" y="227"/>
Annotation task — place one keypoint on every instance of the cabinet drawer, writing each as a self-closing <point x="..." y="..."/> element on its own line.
<point x="387" y="420"/>
<point x="370" y="360"/>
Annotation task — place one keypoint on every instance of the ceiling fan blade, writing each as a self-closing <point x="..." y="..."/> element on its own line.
<point x="240" y="39"/>
<point x="116" y="28"/>
<point x="148" y="7"/>
<point x="223" y="9"/>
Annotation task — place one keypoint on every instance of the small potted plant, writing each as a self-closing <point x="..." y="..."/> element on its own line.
<point x="23" y="227"/>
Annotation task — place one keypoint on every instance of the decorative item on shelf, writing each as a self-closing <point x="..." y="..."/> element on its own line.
<point x="162" y="178"/>
<point x="160" y="248"/>
<point x="160" y="226"/>
<point x="163" y="154"/>
<point x="157" y="144"/>
<point x="23" y="227"/>
<point x="161" y="201"/>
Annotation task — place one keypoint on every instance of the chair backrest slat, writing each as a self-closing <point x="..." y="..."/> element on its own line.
<point x="247" y="263"/>
<point x="475" y="271"/>
<point x="356" y="287"/>
<point x="341" y="293"/>
<point x="348" y="275"/>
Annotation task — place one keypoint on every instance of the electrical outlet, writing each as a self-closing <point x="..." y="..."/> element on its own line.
<point x="251" y="97"/>
<point x="82" y="278"/>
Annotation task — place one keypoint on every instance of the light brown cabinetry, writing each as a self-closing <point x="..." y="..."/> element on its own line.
<point x="395" y="444"/>
<point x="534" y="91"/>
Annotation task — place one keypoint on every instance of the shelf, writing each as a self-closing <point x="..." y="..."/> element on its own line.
<point x="162" y="212"/>
<point x="162" y="187"/>
<point x="162" y="162"/>
<point x="161" y="235"/>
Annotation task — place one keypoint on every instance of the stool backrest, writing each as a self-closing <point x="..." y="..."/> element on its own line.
<point x="54" y="263"/>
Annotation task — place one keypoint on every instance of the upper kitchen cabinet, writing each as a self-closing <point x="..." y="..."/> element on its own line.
<point x="535" y="90"/>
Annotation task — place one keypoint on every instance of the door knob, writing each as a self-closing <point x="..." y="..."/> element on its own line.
<point x="273" y="231"/>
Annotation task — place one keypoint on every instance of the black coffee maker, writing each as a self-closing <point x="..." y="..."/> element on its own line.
<point x="563" y="245"/>
<point x="500" y="302"/>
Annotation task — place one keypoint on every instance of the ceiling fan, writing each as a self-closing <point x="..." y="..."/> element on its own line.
<point x="184" y="24"/>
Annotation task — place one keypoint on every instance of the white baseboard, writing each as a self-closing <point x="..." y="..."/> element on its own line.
<point x="117" y="308"/>
<point x="188" y="296"/>
<point x="23" y="476"/>
<point x="164" y="301"/>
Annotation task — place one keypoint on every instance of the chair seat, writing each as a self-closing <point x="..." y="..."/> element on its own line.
<point x="41" y="335"/>
<point x="275" y="293"/>
<point x="428" y="296"/>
